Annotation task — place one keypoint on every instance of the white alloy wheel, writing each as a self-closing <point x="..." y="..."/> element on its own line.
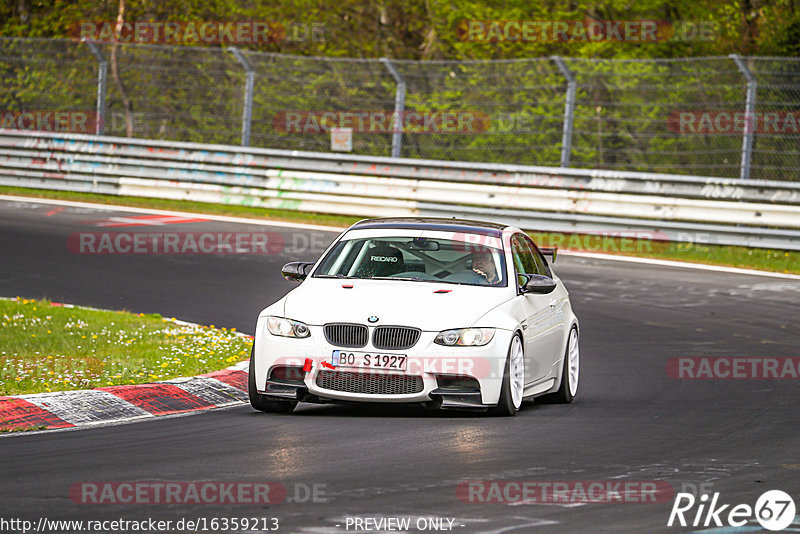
<point x="574" y="363"/>
<point x="516" y="370"/>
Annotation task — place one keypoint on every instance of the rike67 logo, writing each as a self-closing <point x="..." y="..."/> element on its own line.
<point x="774" y="510"/>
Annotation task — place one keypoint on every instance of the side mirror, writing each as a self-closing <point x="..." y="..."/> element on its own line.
<point x="296" y="271"/>
<point x="540" y="284"/>
<point x="552" y="252"/>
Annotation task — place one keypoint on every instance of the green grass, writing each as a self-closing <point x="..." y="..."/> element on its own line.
<point x="56" y="348"/>
<point x="747" y="258"/>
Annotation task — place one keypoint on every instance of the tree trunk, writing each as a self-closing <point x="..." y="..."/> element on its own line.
<point x="126" y="102"/>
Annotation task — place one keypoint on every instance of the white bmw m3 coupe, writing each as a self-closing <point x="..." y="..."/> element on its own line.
<point x="444" y="312"/>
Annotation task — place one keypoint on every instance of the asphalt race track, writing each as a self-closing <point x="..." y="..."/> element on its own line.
<point x="630" y="422"/>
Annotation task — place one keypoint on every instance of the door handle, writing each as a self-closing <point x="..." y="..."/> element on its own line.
<point x="553" y="303"/>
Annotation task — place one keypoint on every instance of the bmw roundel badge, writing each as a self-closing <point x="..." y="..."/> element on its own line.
<point x="373" y="319"/>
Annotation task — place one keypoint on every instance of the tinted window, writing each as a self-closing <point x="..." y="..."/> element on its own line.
<point x="541" y="263"/>
<point x="418" y="258"/>
<point x="524" y="262"/>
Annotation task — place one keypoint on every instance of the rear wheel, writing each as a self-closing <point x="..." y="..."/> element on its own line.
<point x="513" y="380"/>
<point x="570" y="372"/>
<point x="262" y="402"/>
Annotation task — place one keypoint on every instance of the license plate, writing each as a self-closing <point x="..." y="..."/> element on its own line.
<point x="369" y="360"/>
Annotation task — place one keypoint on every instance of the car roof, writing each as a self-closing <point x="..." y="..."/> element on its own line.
<point x="433" y="223"/>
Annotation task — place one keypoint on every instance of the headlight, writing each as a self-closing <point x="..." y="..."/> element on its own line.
<point x="278" y="326"/>
<point x="468" y="337"/>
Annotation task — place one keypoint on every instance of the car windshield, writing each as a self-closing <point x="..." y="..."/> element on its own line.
<point x="416" y="258"/>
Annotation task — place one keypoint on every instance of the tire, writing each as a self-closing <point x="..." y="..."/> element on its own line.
<point x="513" y="381"/>
<point x="262" y="402"/>
<point x="570" y="372"/>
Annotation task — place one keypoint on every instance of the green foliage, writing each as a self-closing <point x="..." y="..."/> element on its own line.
<point x="622" y="113"/>
<point x="430" y="29"/>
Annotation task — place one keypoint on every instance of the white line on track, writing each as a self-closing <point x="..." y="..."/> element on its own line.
<point x="680" y="264"/>
<point x="222" y="218"/>
<point x="322" y="228"/>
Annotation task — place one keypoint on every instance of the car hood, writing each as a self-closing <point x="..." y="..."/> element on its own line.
<point x="394" y="302"/>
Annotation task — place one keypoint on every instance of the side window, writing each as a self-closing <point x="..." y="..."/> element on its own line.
<point x="541" y="263"/>
<point x="523" y="257"/>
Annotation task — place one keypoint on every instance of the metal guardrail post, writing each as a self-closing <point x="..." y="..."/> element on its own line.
<point x="102" y="81"/>
<point x="569" y="110"/>
<point x="399" y="107"/>
<point x="750" y="121"/>
<point x="247" y="110"/>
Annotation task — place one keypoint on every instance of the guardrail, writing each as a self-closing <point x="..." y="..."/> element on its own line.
<point x="732" y="211"/>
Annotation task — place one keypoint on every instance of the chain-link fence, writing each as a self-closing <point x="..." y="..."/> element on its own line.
<point x="716" y="116"/>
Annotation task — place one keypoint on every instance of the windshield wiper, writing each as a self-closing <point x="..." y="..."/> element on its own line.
<point x="407" y="279"/>
<point x="332" y="276"/>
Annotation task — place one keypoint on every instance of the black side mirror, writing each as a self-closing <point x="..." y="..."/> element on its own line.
<point x="538" y="283"/>
<point x="552" y="252"/>
<point x="296" y="271"/>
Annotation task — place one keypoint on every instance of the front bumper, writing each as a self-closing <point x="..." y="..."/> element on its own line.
<point x="426" y="360"/>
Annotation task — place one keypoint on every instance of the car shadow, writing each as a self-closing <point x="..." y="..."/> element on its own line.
<point x="367" y="410"/>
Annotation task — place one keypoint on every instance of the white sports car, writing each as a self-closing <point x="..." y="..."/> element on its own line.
<point x="448" y="313"/>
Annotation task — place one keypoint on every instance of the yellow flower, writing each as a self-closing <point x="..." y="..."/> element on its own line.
<point x="164" y="364"/>
<point x="94" y="336"/>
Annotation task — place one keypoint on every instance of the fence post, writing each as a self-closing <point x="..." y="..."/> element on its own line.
<point x="750" y="118"/>
<point x="569" y="110"/>
<point x="247" y="111"/>
<point x="102" y="80"/>
<point x="399" y="106"/>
